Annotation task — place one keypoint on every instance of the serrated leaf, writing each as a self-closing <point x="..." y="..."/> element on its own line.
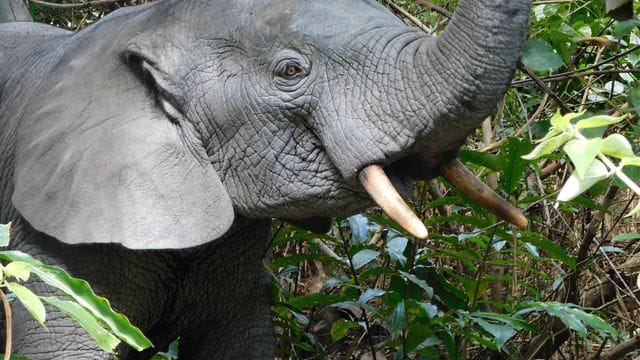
<point x="18" y="269"/>
<point x="395" y="249"/>
<point x="598" y="121"/>
<point x="5" y="234"/>
<point x="582" y="152"/>
<point x="30" y="301"/>
<point x="370" y="294"/>
<point x="540" y="56"/>
<point x="80" y="291"/>
<point x="421" y="283"/>
<point x="104" y="338"/>
<point x="576" y="185"/>
<point x="340" y="328"/>
<point x="618" y="146"/>
<point x="363" y="257"/>
<point x="548" y="146"/>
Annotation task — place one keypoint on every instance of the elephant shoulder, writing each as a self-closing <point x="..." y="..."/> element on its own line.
<point x="20" y="40"/>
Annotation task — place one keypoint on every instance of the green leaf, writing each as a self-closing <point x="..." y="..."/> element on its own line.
<point x="370" y="294"/>
<point x="30" y="301"/>
<point x="633" y="161"/>
<point x="540" y="56"/>
<point x="363" y="257"/>
<point x="598" y="121"/>
<point x="582" y="152"/>
<point x="559" y="122"/>
<point x="621" y="28"/>
<point x="617" y="145"/>
<point x="576" y="185"/>
<point x="626" y="236"/>
<point x="398" y="319"/>
<point x="421" y="283"/>
<point x="500" y="333"/>
<point x="488" y="160"/>
<point x="395" y="249"/>
<point x="511" y="163"/>
<point x="104" y="338"/>
<point x="5" y="234"/>
<point x="548" y="146"/>
<point x="532" y="249"/>
<point x="80" y="291"/>
<point x="340" y="328"/>
<point x="18" y="269"/>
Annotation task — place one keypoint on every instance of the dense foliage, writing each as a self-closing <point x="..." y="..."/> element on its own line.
<point x="566" y="287"/>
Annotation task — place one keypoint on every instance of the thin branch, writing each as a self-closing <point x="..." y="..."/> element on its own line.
<point x="545" y="88"/>
<point x="433" y="7"/>
<point x="411" y="18"/>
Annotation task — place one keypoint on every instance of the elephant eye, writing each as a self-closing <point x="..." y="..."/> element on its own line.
<point x="289" y="69"/>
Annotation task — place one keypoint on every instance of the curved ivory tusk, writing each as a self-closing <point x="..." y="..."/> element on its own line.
<point x="463" y="179"/>
<point x="377" y="184"/>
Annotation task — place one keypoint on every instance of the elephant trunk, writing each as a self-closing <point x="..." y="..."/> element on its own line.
<point x="467" y="69"/>
<point x="461" y="76"/>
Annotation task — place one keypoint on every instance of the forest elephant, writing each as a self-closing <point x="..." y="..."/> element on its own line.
<point x="149" y="152"/>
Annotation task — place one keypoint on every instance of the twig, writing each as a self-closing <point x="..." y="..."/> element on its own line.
<point x="440" y="10"/>
<point x="585" y="96"/>
<point x="74" y="5"/>
<point x="411" y="18"/>
<point x="7" y="319"/>
<point x="618" y="351"/>
<point x="544" y="88"/>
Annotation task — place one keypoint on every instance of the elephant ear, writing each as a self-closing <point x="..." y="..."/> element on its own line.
<point x="98" y="160"/>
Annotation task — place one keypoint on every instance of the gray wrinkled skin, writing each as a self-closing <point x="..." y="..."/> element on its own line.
<point x="147" y="152"/>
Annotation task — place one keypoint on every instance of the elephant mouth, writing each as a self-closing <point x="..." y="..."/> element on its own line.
<point x="375" y="181"/>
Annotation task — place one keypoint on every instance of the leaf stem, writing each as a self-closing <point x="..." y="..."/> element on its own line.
<point x="7" y="319"/>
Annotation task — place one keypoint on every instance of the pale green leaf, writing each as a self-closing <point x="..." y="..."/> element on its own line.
<point x="576" y="185"/>
<point x="598" y="121"/>
<point x="540" y="56"/>
<point x="560" y="122"/>
<point x="398" y="319"/>
<point x="104" y="338"/>
<point x="370" y="294"/>
<point x="5" y="234"/>
<point x="395" y="249"/>
<point x="633" y="161"/>
<point x="618" y="146"/>
<point x="548" y="146"/>
<point x="582" y="152"/>
<point x="30" y="301"/>
<point x="18" y="269"/>
<point x="363" y="257"/>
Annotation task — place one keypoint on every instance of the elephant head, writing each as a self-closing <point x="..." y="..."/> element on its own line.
<point x="155" y="134"/>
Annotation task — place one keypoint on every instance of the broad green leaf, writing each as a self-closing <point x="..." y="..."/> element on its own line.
<point x="582" y="152"/>
<point x="598" y="121"/>
<point x="421" y="283"/>
<point x="548" y="146"/>
<point x="30" y="301"/>
<point x="395" y="249"/>
<point x="340" y="328"/>
<point x="539" y="56"/>
<point x="618" y="146"/>
<point x="500" y="333"/>
<point x="398" y="319"/>
<point x="576" y="185"/>
<point x="363" y="257"/>
<point x="633" y="161"/>
<point x="512" y="164"/>
<point x="5" y="234"/>
<point x="370" y="294"/>
<point x="488" y="160"/>
<point x="553" y="249"/>
<point x="359" y="228"/>
<point x="80" y="291"/>
<point x="104" y="338"/>
<point x="171" y="354"/>
<point x="18" y="269"/>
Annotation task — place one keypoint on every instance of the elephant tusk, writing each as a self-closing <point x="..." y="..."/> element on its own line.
<point x="379" y="187"/>
<point x="463" y="179"/>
